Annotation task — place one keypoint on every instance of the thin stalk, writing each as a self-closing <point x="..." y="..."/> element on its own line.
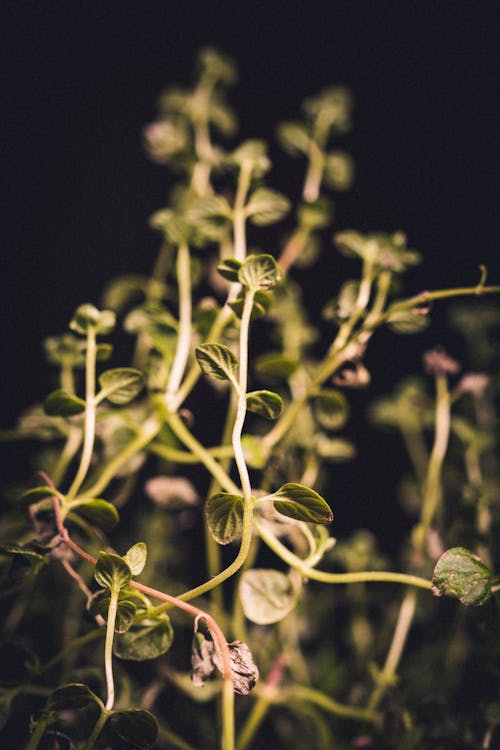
<point x="185" y="312"/>
<point x="241" y="408"/>
<point x="37" y="734"/>
<point x="108" y="648"/>
<point x="259" y="711"/>
<point x="148" y="431"/>
<point x="184" y="457"/>
<point x="382" y="576"/>
<point x="239" y="216"/>
<point x="309" y="695"/>
<point x="76" y="645"/>
<point x="386" y="677"/>
<point x="432" y="492"/>
<point x="67" y="454"/>
<point x="96" y="731"/>
<point x="90" y="414"/>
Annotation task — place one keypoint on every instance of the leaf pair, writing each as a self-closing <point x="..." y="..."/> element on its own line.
<point x="224" y="511"/>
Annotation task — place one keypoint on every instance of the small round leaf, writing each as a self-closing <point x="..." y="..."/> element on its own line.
<point x="224" y="513"/>
<point x="216" y="361"/>
<point x="137" y="727"/>
<point x="136" y="558"/>
<point x="147" y="640"/>
<point x="461" y="574"/>
<point x="121" y="385"/>
<point x="259" y="273"/>
<point x="111" y="571"/>
<point x="60" y="403"/>
<point x="302" y="503"/>
<point x="267" y="596"/>
<point x="265" y="403"/>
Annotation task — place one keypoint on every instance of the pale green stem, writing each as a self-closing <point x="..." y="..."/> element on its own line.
<point x="173" y="740"/>
<point x="67" y="379"/>
<point x="90" y="414"/>
<point x="386" y="677"/>
<point x="255" y="718"/>
<point x="433" y="480"/>
<point x="96" y="731"/>
<point x="309" y="695"/>
<point x="382" y="576"/>
<point x="360" y="307"/>
<point x="183" y="457"/>
<point x="184" y="340"/>
<point x="312" y="183"/>
<point x="108" y="647"/>
<point x="37" y="734"/>
<point x="241" y="408"/>
<point x="239" y="216"/>
<point x="71" y="446"/>
<point x="148" y="431"/>
<point x="221" y="321"/>
<point x="197" y="449"/>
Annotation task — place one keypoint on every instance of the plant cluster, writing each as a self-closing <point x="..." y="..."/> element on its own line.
<point x="203" y="466"/>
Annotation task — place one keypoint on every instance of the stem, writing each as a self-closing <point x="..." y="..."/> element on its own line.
<point x="96" y="731"/>
<point x="89" y="637"/>
<point x="148" y="431"/>
<point x="37" y="734"/>
<point x="184" y="457"/>
<point x="108" y="648"/>
<point x="319" y="575"/>
<point x="185" y="436"/>
<point x="239" y="216"/>
<point x="253" y="722"/>
<point x="241" y="408"/>
<point x="433" y="480"/>
<point x="90" y="414"/>
<point x="184" y="339"/>
<point x="303" y="693"/>
<point x="386" y="677"/>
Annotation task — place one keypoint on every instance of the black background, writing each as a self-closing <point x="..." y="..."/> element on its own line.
<point x="80" y="81"/>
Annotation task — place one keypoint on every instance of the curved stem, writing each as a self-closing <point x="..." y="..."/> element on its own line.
<point x="108" y="648"/>
<point x="184" y="339"/>
<point x="96" y="731"/>
<point x="386" y="677"/>
<point x="382" y="576"/>
<point x="90" y="414"/>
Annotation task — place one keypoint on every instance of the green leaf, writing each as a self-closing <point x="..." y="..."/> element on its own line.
<point x="71" y="697"/>
<point x="293" y="137"/>
<point x="259" y="273"/>
<point x="339" y="170"/>
<point x="316" y="215"/>
<point x="267" y="596"/>
<point x="267" y="206"/>
<point x="111" y="571"/>
<point x="251" y="153"/>
<point x="137" y="727"/>
<point x="121" y="385"/>
<point x="103" y="352"/>
<point x="124" y="291"/>
<point x="229" y="269"/>
<point x="275" y="366"/>
<point x="31" y="556"/>
<point x="89" y="317"/>
<point x="216" y="361"/>
<point x="302" y="503"/>
<point x="99" y="512"/>
<point x="265" y="403"/>
<point x="409" y="321"/>
<point x="126" y="610"/>
<point x="60" y="403"/>
<point x="125" y="615"/>
<point x="66" y="350"/>
<point x="261" y="304"/>
<point x="256" y="455"/>
<point x="331" y="408"/>
<point x="334" y="449"/>
<point x="224" y="513"/>
<point x="147" y="640"/>
<point x="461" y="574"/>
<point x="136" y="558"/>
<point x="35" y="494"/>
